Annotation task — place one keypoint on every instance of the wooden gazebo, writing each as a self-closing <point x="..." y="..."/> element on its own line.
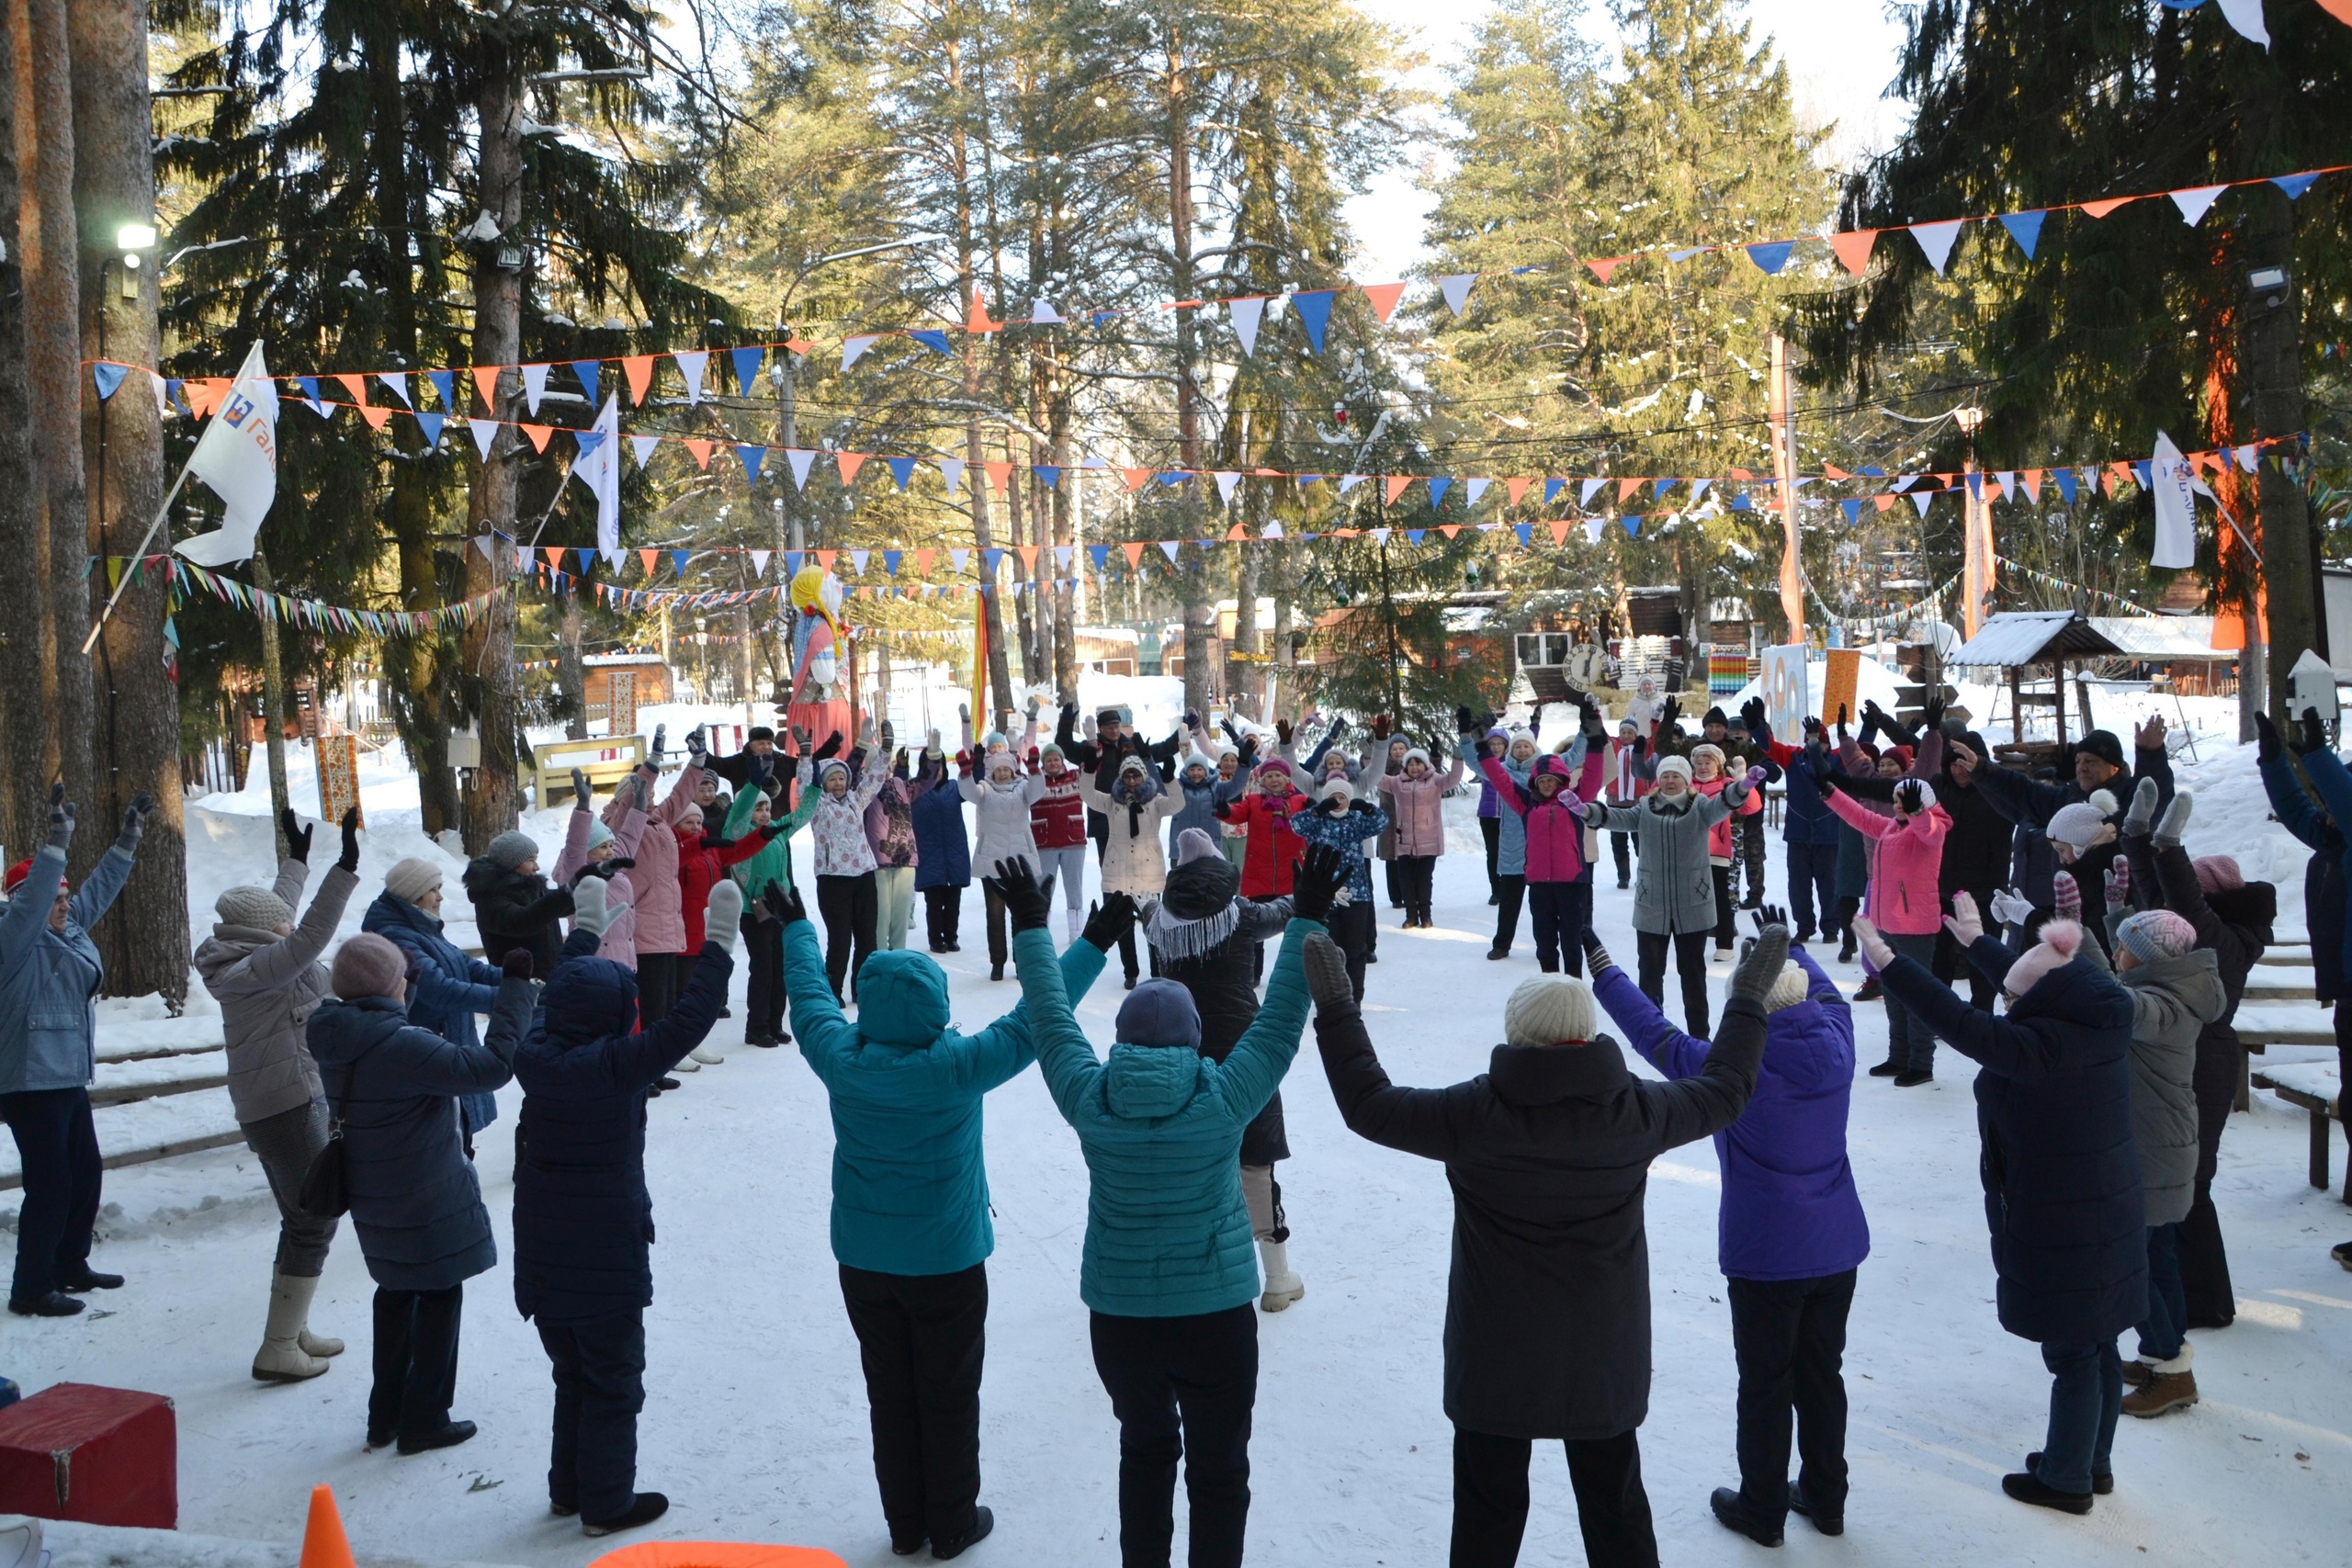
<point x="2018" y="640"/>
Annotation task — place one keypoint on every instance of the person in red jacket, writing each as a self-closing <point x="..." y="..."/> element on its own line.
<point x="701" y="862"/>
<point x="1270" y="855"/>
<point x="1058" y="821"/>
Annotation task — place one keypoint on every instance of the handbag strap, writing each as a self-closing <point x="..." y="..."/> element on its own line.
<point x="341" y="1102"/>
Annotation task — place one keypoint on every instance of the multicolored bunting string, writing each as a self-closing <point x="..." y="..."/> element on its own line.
<point x="1852" y="249"/>
<point x="2061" y="583"/>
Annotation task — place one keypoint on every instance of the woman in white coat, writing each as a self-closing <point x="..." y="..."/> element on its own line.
<point x="1002" y="798"/>
<point x="1134" y="862"/>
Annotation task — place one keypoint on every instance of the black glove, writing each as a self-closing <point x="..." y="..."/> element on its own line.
<point x="1282" y="730"/>
<point x="696" y="748"/>
<point x="1771" y="915"/>
<point x="1028" y="901"/>
<point x="832" y="745"/>
<point x="1191" y="717"/>
<point x="298" y="837"/>
<point x="1907" y="795"/>
<point x="134" y="822"/>
<point x="1752" y="710"/>
<point x="1109" y="920"/>
<point x="1752" y="981"/>
<point x="1322" y="872"/>
<point x="2311" y="735"/>
<point x="1339" y="729"/>
<point x="516" y="965"/>
<point x="1596" y="956"/>
<point x="349" y="859"/>
<point x="783" y="904"/>
<point x="1331" y="807"/>
<point x="1641" y="746"/>
<point x="758" y="768"/>
<point x="602" y="871"/>
<point x="1362" y="805"/>
<point x="2266" y="739"/>
<point x="1462" y="723"/>
<point x="1672" y="711"/>
<point x="61" y="817"/>
<point x="1931" y="718"/>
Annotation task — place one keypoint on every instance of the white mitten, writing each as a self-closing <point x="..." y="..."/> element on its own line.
<point x="2011" y="909"/>
<point x="722" y="918"/>
<point x="588" y="905"/>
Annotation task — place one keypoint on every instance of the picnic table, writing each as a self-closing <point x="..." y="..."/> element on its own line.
<point x="2316" y="1088"/>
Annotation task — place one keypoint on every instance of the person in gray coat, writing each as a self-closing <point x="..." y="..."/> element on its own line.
<point x="265" y="972"/>
<point x="1674" y="887"/>
<point x="393" y="1088"/>
<point x="2176" y="989"/>
<point x="50" y="971"/>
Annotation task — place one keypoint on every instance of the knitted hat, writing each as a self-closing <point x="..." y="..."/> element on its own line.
<point x="2218" y="873"/>
<point x="690" y="819"/>
<point x="1003" y="759"/>
<point x="1548" y="1010"/>
<point x="1627" y="727"/>
<point x="1335" y="789"/>
<point x="1927" y="792"/>
<point x="1790" y="987"/>
<point x="1705" y="750"/>
<point x="368" y="965"/>
<point x="1227" y="748"/>
<point x="2102" y="744"/>
<point x="1520" y="732"/>
<point x="1197" y="758"/>
<point x="17" y="873"/>
<point x="1274" y="767"/>
<point x="1159" y="1012"/>
<point x="1053" y="750"/>
<point x="1193" y="844"/>
<point x="829" y="765"/>
<point x="1673" y="764"/>
<point x="510" y="850"/>
<point x="2061" y="939"/>
<point x="412" y="879"/>
<point x="598" y="834"/>
<point x="1418" y="752"/>
<point x="993" y="740"/>
<point x="256" y="909"/>
<point x="1714" y="715"/>
<point x="2079" y="824"/>
<point x="759" y="732"/>
<point x="1902" y="754"/>
<point x="1133" y="765"/>
<point x="2156" y="933"/>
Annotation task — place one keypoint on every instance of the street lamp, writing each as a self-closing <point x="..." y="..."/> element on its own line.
<point x="131" y="239"/>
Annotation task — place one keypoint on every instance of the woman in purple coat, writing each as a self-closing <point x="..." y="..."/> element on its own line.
<point x="1791" y="1233"/>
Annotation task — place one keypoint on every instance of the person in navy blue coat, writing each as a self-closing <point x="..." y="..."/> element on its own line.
<point x="943" y="848"/>
<point x="2063" y="1193"/>
<point x="1791" y="1234"/>
<point x="584" y="1220"/>
<point x="450" y="986"/>
<point x="1808" y="828"/>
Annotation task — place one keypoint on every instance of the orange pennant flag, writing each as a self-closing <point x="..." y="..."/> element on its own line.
<point x="539" y="435"/>
<point x="1742" y="474"/>
<point x="204" y="396"/>
<point x="486" y="385"/>
<point x="1514" y="489"/>
<point x="2101" y="208"/>
<point x="1383" y="298"/>
<point x="2032" y="478"/>
<point x="1237" y="532"/>
<point x="1396" y="484"/>
<point x="701" y="450"/>
<point x="1136" y="478"/>
<point x="1559" y="526"/>
<point x="825" y="558"/>
<point x="376" y="417"/>
<point x="1829" y="470"/>
<point x="923" y="562"/>
<point x="1028" y="559"/>
<point x="1601" y="269"/>
<point x="645" y="560"/>
<point x="1134" y="548"/>
<point x="849" y="463"/>
<point x="638" y="369"/>
<point x="1449" y="529"/>
<point x="324" y="1543"/>
<point x="1625" y="489"/>
<point x="1853" y="249"/>
<point x="999" y="475"/>
<point x="555" y="556"/>
<point x="1883" y="501"/>
<point x="798" y="345"/>
<point x="975" y="320"/>
<point x="356" y="386"/>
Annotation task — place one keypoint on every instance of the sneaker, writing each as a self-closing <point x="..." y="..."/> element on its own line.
<point x="2102" y="1483"/>
<point x="1914" y="1078"/>
<point x="983" y="1521"/>
<point x="1887" y="1068"/>
<point x="2027" y="1487"/>
<point x="1731" y="1512"/>
<point x="57" y="1304"/>
<point x="646" y="1508"/>
<point x="2165" y="1391"/>
<point x="1826" y="1523"/>
<point x="451" y="1434"/>
<point x="90" y="1278"/>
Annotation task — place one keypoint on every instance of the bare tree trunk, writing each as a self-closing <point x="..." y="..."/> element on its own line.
<point x="490" y="809"/>
<point x="27" y="637"/>
<point x="570" y="671"/>
<point x="137" y="734"/>
<point x="1024" y="610"/>
<point x="1200" y="608"/>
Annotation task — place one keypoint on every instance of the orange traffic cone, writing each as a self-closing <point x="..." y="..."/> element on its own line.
<point x="324" y="1543"/>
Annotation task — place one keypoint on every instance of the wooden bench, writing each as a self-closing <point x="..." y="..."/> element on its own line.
<point x="605" y="760"/>
<point x="2312" y="1086"/>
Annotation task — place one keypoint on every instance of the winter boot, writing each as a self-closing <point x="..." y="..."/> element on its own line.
<point x="2102" y="1482"/>
<point x="705" y="1055"/>
<point x="1073" y="924"/>
<point x="2171" y="1385"/>
<point x="282" y="1358"/>
<point x="643" y="1509"/>
<point x="687" y="1065"/>
<point x="2138" y="1373"/>
<point x="1283" y="1287"/>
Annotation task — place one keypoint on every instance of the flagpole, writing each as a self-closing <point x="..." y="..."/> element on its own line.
<point x="124" y="581"/>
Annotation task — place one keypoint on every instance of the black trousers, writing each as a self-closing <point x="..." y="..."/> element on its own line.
<point x="921" y="1339"/>
<point x="997" y="919"/>
<point x="1790" y="1337"/>
<point x="1621" y="847"/>
<point x="1351" y="925"/>
<point x="1847" y="908"/>
<point x="1813" y="879"/>
<point x="1510" y="892"/>
<point x="1950" y="963"/>
<point x="763" y="1004"/>
<point x="1490" y="1500"/>
<point x="657" y="987"/>
<point x="1562" y="910"/>
<point x="2204" y="1261"/>
<point x="1490" y="828"/>
<point x="1726" y="931"/>
<point x="850" y="908"/>
<point x="1690" y="962"/>
<point x="599" y="1389"/>
<point x="1395" y="884"/>
<point x="1183" y="1389"/>
<point x="1417" y="873"/>
<point x="57" y="1148"/>
<point x="942" y="913"/>
<point x="416" y="1361"/>
<point x="1749" y="832"/>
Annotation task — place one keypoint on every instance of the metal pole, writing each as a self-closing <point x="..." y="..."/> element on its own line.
<point x="115" y="597"/>
<point x="1783" y="417"/>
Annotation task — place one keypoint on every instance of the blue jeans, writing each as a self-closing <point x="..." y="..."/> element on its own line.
<point x="1812" y="874"/>
<point x="2085" y="1399"/>
<point x="2162" y="1335"/>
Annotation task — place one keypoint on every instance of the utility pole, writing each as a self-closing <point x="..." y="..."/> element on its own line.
<point x="1780" y="410"/>
<point x="273" y="698"/>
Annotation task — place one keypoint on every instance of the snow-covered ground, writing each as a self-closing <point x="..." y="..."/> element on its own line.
<point x="756" y="1422"/>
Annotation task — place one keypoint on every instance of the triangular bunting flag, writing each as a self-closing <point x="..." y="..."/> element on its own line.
<point x="934" y="340"/>
<point x="396" y="382"/>
<point x="1559" y="527"/>
<point x="747" y="366"/>
<point x="1102" y="555"/>
<point x="857" y="559"/>
<point x="1472" y="489"/>
<point x="1936" y="240"/>
<point x="108" y="378"/>
<point x="1350" y="481"/>
<point x="1000" y="475"/>
<point x="484" y="432"/>
<point x="1455" y="287"/>
<point x="1513" y="489"/>
<point x="690" y="365"/>
<point x="976" y="317"/>
<point x="1134" y="550"/>
<point x="2101" y="208"/>
<point x="1225" y="480"/>
<point x="638" y="370"/>
<point x="853" y="349"/>
<point x="535" y="385"/>
<point x="486" y="386"/>
<point x="2295" y="184"/>
<point x="645" y="560"/>
<point x="1587" y="491"/>
<point x="1853" y="509"/>
<point x="902" y="469"/>
<point x="2246" y="15"/>
<point x="1396" y="484"/>
<point x="1439" y="485"/>
<point x="1382" y="298"/>
<point x="1048" y="475"/>
<point x="1923" y="499"/>
<point x="1625" y="489"/>
<point x="555" y="556"/>
<point x="1245" y="315"/>
<point x="2025" y="228"/>
<point x="430" y="424"/>
<point x="800" y="458"/>
<point x="1603" y="267"/>
<point x="952" y="470"/>
<point x="589" y="371"/>
<point x="642" y="446"/>
<point x="537" y="434"/>
<point x="1633" y="525"/>
<point x="1314" y="310"/>
<point x="760" y="559"/>
<point x="1135" y="478"/>
<point x="678" y="560"/>
<point x="2197" y="201"/>
<point x="702" y="450"/>
<point x="1043" y="314"/>
<point x="444" y="386"/>
<point x="1852" y="248"/>
<point x="376" y="414"/>
<point x="1592" y="527"/>
<point x="1771" y="255"/>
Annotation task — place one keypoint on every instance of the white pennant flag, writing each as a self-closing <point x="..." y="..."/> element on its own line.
<point x="858" y="559"/>
<point x="1592" y="527"/>
<point x="1350" y="481"/>
<point x="1225" y="480"/>
<point x="853" y="349"/>
<point x="534" y="386"/>
<point x="952" y="470"/>
<point x="1590" y="488"/>
<point x="644" y="446"/>
<point x="2168" y="476"/>
<point x="1042" y="313"/>
<point x="484" y="432"/>
<point x="1923" y="499"/>
<point x="1472" y="488"/>
<point x="398" y="381"/>
<point x="237" y="459"/>
<point x="760" y="562"/>
<point x="2247" y="456"/>
<point x="2246" y="15"/>
<point x="1936" y="239"/>
<point x="600" y="470"/>
<point x="1246" y="314"/>
<point x="2194" y="203"/>
<point x="799" y="460"/>
<point x="1456" y="290"/>
<point x="163" y="396"/>
<point x="691" y="363"/>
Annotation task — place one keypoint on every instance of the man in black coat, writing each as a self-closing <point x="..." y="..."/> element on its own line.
<point x="584" y="1220"/>
<point x="515" y="906"/>
<point x="1112" y="744"/>
<point x="1547" y="1315"/>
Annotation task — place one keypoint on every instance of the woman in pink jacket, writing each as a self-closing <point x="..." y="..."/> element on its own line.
<point x="1413" y="797"/>
<point x="1906" y="853"/>
<point x="1559" y="870"/>
<point x="586" y="843"/>
<point x="653" y="884"/>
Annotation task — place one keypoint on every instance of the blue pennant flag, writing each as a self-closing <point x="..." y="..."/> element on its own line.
<point x="1771" y="255"/>
<point x="1552" y="488"/>
<point x="586" y="370"/>
<point x="108" y="377"/>
<point x="310" y="385"/>
<point x="1173" y="478"/>
<point x="1413" y="536"/>
<point x="1439" y="485"/>
<point x="890" y="559"/>
<point x="678" y="562"/>
<point x="1853" y="512"/>
<point x="589" y="440"/>
<point x="1739" y="501"/>
<point x="747" y="365"/>
<point x="2294" y="185"/>
<point x="1048" y="472"/>
<point x="792" y="563"/>
<point x="587" y="555"/>
<point x="1313" y="308"/>
<point x="1526" y="532"/>
<point x="1976" y="487"/>
<point x="753" y="457"/>
<point x="2025" y="228"/>
<point x="2065" y="478"/>
<point x="1101" y="554"/>
<point x="2141" y="471"/>
<point x="902" y="469"/>
<point x="1633" y="525"/>
<point x="430" y="423"/>
<point x="446" y="383"/>
<point x="1875" y="473"/>
<point x="932" y="340"/>
<point x="1659" y="487"/>
<point x="989" y="558"/>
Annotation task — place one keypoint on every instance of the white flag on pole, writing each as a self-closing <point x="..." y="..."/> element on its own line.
<point x="2170" y="478"/>
<point x="237" y="456"/>
<point x="600" y="470"/>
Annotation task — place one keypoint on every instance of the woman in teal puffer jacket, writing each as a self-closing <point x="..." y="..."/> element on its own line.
<point x="1168" y="1269"/>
